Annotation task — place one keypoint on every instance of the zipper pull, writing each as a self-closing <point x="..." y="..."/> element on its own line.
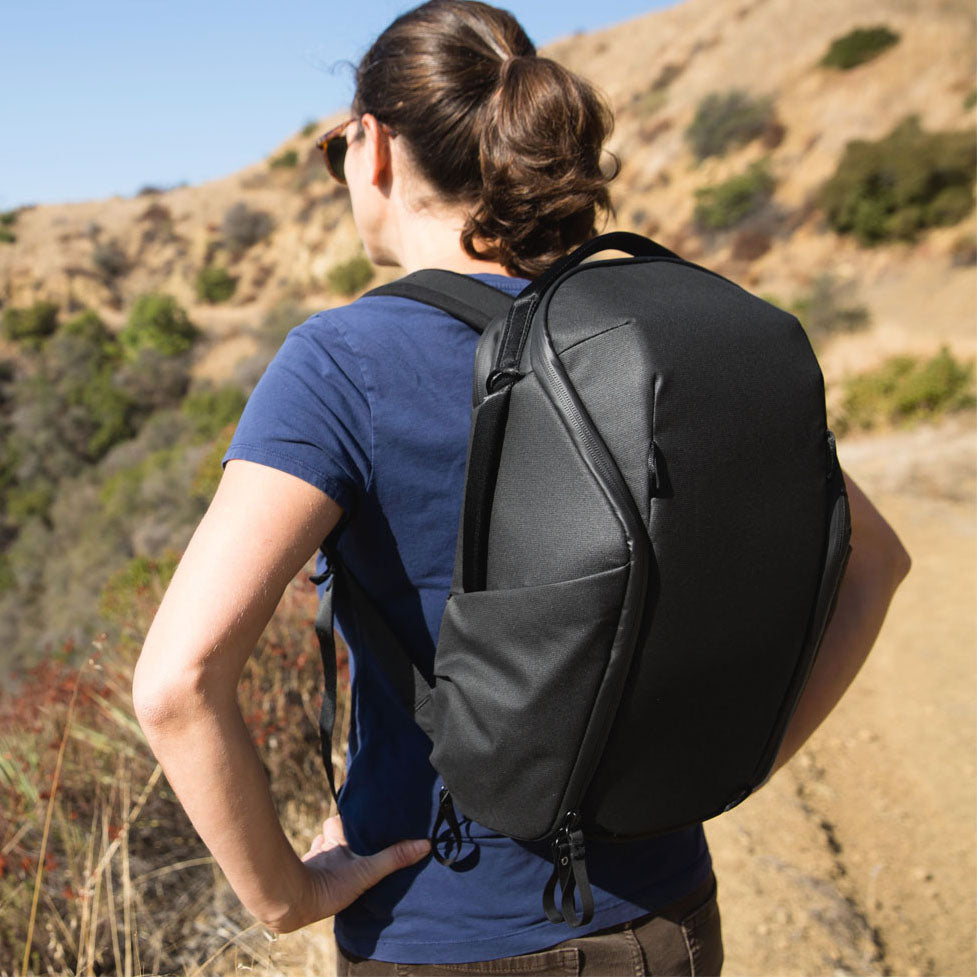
<point x="570" y="870"/>
<point x="446" y="813"/>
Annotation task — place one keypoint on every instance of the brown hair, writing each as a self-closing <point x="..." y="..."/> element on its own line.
<point x="489" y="124"/>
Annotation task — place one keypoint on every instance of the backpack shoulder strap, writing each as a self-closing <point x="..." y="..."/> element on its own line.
<point x="475" y="303"/>
<point x="411" y="686"/>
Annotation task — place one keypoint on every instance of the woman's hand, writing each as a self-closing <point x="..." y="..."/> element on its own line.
<point x="337" y="876"/>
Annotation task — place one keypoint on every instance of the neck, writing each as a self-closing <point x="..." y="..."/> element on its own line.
<point x="429" y="239"/>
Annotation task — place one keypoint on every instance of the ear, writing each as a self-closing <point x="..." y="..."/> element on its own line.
<point x="377" y="145"/>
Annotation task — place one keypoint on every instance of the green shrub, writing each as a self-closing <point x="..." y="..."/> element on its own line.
<point x="905" y="389"/>
<point x="26" y="501"/>
<point x="210" y="411"/>
<point x="31" y="326"/>
<point x="858" y="46"/>
<point x="7" y="578"/>
<point x="66" y="409"/>
<point x="140" y="576"/>
<point x="287" y="160"/>
<point x="242" y="227"/>
<point x="158" y="322"/>
<point x="215" y="284"/>
<point x="7" y="219"/>
<point x="905" y="182"/>
<point x="727" y="203"/>
<point x="109" y="258"/>
<point x="727" y="119"/>
<point x="351" y="276"/>
<point x="110" y="414"/>
<point x="87" y="327"/>
<point x="829" y="308"/>
<point x="970" y="100"/>
<point x="153" y="379"/>
<point x="309" y="127"/>
<point x="209" y="472"/>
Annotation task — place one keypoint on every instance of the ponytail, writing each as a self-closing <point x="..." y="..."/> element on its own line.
<point x="539" y="153"/>
<point x="515" y="137"/>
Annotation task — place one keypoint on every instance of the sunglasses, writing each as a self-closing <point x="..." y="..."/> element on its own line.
<point x="334" y="145"/>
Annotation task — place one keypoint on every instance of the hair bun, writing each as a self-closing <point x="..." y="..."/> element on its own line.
<point x="490" y="124"/>
<point x="542" y="137"/>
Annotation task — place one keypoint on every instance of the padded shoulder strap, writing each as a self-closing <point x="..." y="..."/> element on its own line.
<point x="475" y="303"/>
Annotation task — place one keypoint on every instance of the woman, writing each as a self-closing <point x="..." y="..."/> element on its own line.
<point x="465" y="152"/>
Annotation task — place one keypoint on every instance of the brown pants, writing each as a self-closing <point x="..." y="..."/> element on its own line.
<point x="683" y="938"/>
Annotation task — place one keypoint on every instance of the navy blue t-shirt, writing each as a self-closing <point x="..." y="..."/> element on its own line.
<point x="371" y="403"/>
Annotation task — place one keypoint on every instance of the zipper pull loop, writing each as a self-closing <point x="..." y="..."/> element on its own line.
<point x="446" y="813"/>
<point x="570" y="870"/>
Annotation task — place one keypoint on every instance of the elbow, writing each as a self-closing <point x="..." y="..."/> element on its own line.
<point x="157" y="701"/>
<point x="163" y="698"/>
<point x="897" y="559"/>
<point x="902" y="563"/>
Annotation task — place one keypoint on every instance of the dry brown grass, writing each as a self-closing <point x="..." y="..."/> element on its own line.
<point x="100" y="870"/>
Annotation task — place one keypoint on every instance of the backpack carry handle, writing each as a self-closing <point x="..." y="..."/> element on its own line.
<point x="521" y="314"/>
<point x="633" y="244"/>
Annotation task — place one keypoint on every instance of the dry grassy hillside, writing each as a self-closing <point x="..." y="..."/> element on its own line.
<point x="859" y="858"/>
<point x="655" y="70"/>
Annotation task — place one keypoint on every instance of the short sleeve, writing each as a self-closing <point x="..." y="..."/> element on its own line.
<point x="310" y="414"/>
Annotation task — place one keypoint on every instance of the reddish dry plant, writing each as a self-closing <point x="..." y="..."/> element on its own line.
<point x="125" y="881"/>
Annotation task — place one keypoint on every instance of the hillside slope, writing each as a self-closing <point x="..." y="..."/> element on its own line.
<point x="859" y="858"/>
<point x="655" y="70"/>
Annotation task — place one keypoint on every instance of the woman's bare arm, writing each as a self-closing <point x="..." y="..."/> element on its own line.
<point x="877" y="566"/>
<point x="259" y="531"/>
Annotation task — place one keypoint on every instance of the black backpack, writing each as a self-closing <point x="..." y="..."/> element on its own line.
<point x="653" y="532"/>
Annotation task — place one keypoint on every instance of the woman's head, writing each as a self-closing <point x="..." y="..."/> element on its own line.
<point x="512" y="138"/>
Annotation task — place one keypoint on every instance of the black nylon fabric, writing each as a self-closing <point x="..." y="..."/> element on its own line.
<point x="550" y="520"/>
<point x="514" y="672"/>
<point x="736" y="523"/>
<point x="677" y="371"/>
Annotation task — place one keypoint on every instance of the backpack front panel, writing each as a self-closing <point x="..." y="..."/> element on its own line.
<point x="521" y="664"/>
<point x="731" y="484"/>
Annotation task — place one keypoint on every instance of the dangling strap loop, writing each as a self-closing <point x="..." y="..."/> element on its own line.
<point x="570" y="869"/>
<point x="446" y="813"/>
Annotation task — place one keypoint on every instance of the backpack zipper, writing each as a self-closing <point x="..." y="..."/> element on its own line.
<point x="595" y="453"/>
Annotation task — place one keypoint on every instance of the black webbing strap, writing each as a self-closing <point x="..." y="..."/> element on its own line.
<point x="488" y="429"/>
<point x="475" y="303"/>
<point x="570" y="870"/>
<point x="412" y="688"/>
<point x="446" y="815"/>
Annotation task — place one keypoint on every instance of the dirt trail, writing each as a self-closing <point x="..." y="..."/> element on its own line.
<point x="859" y="857"/>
